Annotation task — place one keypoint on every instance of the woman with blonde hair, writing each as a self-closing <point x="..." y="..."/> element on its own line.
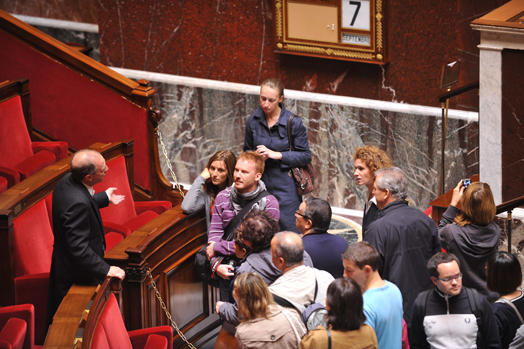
<point x="368" y="160"/>
<point x="470" y="234"/>
<point x="262" y="322"/>
<point x="217" y="175"/>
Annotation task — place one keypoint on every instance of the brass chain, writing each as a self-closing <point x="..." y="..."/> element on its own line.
<point x="163" y="305"/>
<point x="159" y="135"/>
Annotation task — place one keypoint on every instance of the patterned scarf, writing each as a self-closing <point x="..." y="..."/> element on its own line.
<point x="238" y="200"/>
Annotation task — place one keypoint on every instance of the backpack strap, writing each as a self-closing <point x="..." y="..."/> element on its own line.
<point x="329" y="338"/>
<point x="510" y="303"/>
<point x="419" y="308"/>
<point x="283" y="302"/>
<point x="474" y="303"/>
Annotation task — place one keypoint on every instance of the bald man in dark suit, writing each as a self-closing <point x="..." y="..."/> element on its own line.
<point x="79" y="242"/>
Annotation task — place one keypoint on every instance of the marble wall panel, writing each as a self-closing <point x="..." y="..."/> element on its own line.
<point x="200" y="121"/>
<point x="80" y="37"/>
<point x="512" y="125"/>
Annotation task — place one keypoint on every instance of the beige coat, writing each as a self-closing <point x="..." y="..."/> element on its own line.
<point x="275" y="332"/>
<point x="363" y="338"/>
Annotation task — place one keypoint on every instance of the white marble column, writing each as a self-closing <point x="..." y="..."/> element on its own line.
<point x="493" y="40"/>
<point x="490" y="119"/>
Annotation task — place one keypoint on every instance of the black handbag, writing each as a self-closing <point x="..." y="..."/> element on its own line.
<point x="303" y="176"/>
<point x="206" y="269"/>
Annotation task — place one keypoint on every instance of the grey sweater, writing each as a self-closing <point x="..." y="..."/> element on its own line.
<point x="197" y="199"/>
<point x="473" y="245"/>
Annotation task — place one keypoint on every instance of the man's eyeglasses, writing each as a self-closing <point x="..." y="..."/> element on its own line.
<point x="448" y="280"/>
<point x="303" y="216"/>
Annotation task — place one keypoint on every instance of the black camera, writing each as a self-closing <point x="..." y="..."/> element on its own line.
<point x="466" y="182"/>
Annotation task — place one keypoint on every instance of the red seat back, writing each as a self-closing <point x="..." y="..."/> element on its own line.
<point x="110" y="332"/>
<point x="116" y="176"/>
<point x="33" y="241"/>
<point x="15" y="143"/>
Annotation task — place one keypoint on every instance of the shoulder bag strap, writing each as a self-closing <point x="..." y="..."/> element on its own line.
<point x="329" y="338"/>
<point x="510" y="303"/>
<point x="291" y="147"/>
<point x="235" y="222"/>
<point x="291" y="322"/>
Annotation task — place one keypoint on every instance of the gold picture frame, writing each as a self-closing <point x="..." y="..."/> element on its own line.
<point x="353" y="30"/>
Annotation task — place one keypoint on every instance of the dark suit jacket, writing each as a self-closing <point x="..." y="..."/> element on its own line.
<point x="79" y="246"/>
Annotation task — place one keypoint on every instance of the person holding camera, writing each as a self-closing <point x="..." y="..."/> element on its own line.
<point x="470" y="234"/>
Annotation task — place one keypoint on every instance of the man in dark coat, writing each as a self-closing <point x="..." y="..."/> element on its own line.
<point x="313" y="218"/>
<point x="404" y="237"/>
<point x="79" y="243"/>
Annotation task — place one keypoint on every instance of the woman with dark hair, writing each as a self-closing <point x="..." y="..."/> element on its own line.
<point x="505" y="277"/>
<point x="267" y="134"/>
<point x="470" y="234"/>
<point x="345" y="319"/>
<point x="368" y="160"/>
<point x="263" y="323"/>
<point x="217" y="175"/>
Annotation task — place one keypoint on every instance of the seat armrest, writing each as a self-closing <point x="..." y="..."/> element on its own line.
<point x="12" y="175"/>
<point x="25" y="312"/>
<point x="112" y="227"/>
<point x="158" y="207"/>
<point x="35" y="163"/>
<point x="14" y="332"/>
<point x="139" y="337"/>
<point x="58" y="148"/>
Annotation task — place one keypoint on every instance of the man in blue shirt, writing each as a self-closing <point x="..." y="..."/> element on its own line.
<point x="382" y="299"/>
<point x="313" y="218"/>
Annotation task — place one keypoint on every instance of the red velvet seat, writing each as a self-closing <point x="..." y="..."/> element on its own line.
<point x="33" y="247"/>
<point x="127" y="216"/>
<point x="110" y="332"/>
<point x="17" y="326"/>
<point x="19" y="157"/>
<point x="3" y="184"/>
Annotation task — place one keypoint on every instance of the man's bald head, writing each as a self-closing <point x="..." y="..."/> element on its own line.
<point x="288" y="246"/>
<point x="88" y="166"/>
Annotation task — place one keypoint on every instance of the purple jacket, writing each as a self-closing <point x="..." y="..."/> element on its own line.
<point x="223" y="213"/>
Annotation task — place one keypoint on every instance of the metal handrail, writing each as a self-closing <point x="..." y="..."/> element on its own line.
<point x="508" y="206"/>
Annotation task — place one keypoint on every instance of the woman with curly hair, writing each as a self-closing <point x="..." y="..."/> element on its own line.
<point x="263" y="323"/>
<point x="345" y="319"/>
<point x="470" y="233"/>
<point x="368" y="160"/>
<point x="217" y="175"/>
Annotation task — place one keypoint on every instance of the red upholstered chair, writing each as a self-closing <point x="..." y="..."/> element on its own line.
<point x="3" y="184"/>
<point x="19" y="157"/>
<point x="110" y="332"/>
<point x="33" y="247"/>
<point x="17" y="326"/>
<point x="127" y="216"/>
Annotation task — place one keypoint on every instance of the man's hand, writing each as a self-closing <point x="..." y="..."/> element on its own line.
<point x="225" y="271"/>
<point x="209" y="250"/>
<point x="217" y="306"/>
<point x="458" y="192"/>
<point x="116" y="272"/>
<point x="114" y="198"/>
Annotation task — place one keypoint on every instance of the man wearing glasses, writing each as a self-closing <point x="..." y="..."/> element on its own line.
<point x="446" y="316"/>
<point x="312" y="221"/>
